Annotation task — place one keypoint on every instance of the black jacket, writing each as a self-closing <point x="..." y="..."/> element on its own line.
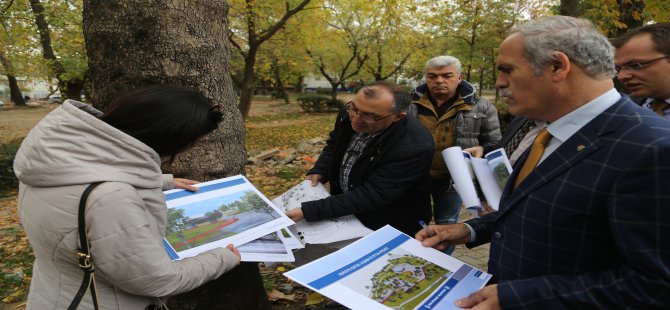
<point x="388" y="184"/>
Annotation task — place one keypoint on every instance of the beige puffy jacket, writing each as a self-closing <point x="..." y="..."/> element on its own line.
<point x="125" y="216"/>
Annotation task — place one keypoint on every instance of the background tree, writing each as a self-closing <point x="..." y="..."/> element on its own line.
<point x="132" y="43"/>
<point x="346" y="29"/>
<point x="59" y="29"/>
<point x="394" y="38"/>
<point x="15" y="45"/>
<point x="260" y="23"/>
<point x="176" y="224"/>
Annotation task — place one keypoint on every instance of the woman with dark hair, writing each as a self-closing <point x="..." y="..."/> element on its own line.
<point x="125" y="216"/>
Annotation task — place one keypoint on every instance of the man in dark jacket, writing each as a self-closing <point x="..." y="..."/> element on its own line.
<point x="448" y="107"/>
<point x="377" y="163"/>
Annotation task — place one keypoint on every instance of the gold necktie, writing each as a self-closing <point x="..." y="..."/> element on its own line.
<point x="659" y="106"/>
<point x="534" y="157"/>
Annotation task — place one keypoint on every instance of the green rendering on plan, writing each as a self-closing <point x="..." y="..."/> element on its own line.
<point x="406" y="281"/>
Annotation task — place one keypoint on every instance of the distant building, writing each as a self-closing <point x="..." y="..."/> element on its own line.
<point x="33" y="88"/>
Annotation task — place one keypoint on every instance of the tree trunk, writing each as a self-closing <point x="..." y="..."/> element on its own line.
<point x="14" y="90"/>
<point x="133" y="43"/>
<point x="248" y="85"/>
<point x="569" y="8"/>
<point x="298" y="84"/>
<point x="481" y="81"/>
<point x="73" y="89"/>
<point x="47" y="49"/>
<point x="279" y="82"/>
<point x="333" y="92"/>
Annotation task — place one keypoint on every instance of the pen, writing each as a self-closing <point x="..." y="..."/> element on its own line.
<point x="428" y="229"/>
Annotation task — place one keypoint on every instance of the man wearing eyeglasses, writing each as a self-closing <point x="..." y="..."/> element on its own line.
<point x="376" y="161"/>
<point x="448" y="107"/>
<point x="643" y="64"/>
<point x="583" y="223"/>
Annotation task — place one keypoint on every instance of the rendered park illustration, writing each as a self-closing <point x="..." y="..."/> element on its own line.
<point x="399" y="280"/>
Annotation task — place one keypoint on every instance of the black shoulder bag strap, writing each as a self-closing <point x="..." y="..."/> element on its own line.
<point x="84" y="255"/>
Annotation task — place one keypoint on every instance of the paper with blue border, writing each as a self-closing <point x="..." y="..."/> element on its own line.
<point x="388" y="269"/>
<point x="225" y="211"/>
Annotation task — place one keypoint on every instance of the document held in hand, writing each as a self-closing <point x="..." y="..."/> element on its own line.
<point x="319" y="232"/>
<point x="225" y="211"/>
<point x="474" y="177"/>
<point x="388" y="269"/>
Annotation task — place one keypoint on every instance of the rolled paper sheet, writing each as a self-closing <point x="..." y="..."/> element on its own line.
<point x="460" y="175"/>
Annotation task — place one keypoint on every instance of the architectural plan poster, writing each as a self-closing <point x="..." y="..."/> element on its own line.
<point x="324" y="231"/>
<point x="224" y="211"/>
<point x="389" y="269"/>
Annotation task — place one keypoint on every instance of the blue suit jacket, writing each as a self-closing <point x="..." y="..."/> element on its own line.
<point x="590" y="226"/>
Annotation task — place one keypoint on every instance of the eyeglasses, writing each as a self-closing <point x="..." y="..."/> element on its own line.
<point x="637" y="66"/>
<point x="352" y="110"/>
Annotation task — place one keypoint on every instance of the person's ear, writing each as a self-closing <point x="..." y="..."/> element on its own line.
<point x="560" y="66"/>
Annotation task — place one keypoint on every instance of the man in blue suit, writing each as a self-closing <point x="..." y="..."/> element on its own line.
<point x="589" y="226"/>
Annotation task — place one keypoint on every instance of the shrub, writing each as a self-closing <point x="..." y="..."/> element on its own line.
<point x="314" y="102"/>
<point x="8" y="180"/>
<point x="336" y="104"/>
<point x="322" y="90"/>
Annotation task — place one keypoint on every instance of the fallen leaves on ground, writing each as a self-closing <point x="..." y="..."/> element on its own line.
<point x="275" y="295"/>
<point x="15" y="254"/>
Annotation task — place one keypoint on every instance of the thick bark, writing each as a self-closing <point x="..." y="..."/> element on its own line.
<point x="14" y="90"/>
<point x="133" y="43"/>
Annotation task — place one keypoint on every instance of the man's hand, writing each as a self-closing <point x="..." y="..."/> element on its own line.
<point x="476" y="151"/>
<point x="315" y="178"/>
<point x="441" y="236"/>
<point x="295" y="214"/>
<point x="487" y="209"/>
<point x="486" y="298"/>
<point x="186" y="184"/>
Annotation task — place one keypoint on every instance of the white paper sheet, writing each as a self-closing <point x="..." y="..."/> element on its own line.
<point x="319" y="232"/>
<point x="389" y="269"/>
<point x="269" y="248"/>
<point x="458" y="169"/>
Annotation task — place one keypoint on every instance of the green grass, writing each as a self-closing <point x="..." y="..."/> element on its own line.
<point x="287" y="130"/>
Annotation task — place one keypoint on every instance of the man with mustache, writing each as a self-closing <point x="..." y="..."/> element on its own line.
<point x="643" y="64"/>
<point x="376" y="161"/>
<point x="583" y="220"/>
<point x="448" y="107"/>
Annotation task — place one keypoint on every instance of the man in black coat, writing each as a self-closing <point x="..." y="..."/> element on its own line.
<point x="377" y="161"/>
